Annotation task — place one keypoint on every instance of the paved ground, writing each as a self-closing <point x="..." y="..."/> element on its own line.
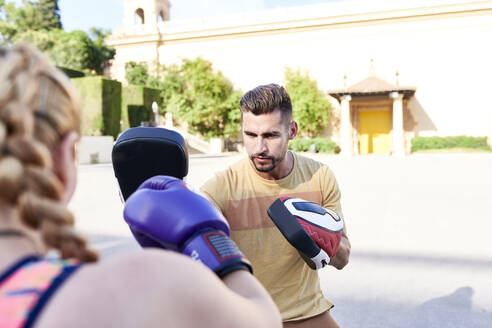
<point x="420" y="228"/>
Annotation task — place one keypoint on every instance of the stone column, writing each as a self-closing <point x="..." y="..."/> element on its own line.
<point x="345" y="127"/>
<point x="398" y="147"/>
<point x="169" y="121"/>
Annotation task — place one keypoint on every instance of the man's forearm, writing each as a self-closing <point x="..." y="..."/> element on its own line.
<point x="341" y="259"/>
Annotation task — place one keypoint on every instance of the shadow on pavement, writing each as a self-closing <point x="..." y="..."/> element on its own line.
<point x="451" y="311"/>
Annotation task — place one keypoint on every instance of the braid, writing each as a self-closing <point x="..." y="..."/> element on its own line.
<point x="38" y="107"/>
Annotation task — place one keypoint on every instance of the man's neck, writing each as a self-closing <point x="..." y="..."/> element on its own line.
<point x="282" y="170"/>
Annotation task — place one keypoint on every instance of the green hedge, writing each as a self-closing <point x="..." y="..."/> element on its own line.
<point x="137" y="95"/>
<point x="423" y="143"/>
<point x="71" y="72"/>
<point x="101" y="102"/>
<point x="137" y="114"/>
<point x="322" y="145"/>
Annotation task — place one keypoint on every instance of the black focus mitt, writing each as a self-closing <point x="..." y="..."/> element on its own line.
<point x="141" y="153"/>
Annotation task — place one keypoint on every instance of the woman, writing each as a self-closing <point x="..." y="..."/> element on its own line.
<point x="39" y="127"/>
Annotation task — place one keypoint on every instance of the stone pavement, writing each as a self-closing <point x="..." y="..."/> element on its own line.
<point x="419" y="226"/>
<point x="421" y="248"/>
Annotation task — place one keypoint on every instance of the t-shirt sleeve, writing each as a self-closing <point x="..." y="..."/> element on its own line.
<point x="330" y="191"/>
<point x="210" y="189"/>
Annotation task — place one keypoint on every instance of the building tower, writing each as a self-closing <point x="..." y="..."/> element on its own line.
<point x="145" y="12"/>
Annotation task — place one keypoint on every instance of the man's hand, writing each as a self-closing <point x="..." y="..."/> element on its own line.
<point x="341" y="259"/>
<point x="314" y="231"/>
<point x="164" y="213"/>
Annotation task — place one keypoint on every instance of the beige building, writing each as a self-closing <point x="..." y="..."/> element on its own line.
<point x="394" y="69"/>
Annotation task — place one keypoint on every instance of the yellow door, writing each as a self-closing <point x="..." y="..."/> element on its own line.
<point x="374" y="132"/>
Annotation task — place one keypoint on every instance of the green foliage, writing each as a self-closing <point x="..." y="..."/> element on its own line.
<point x="172" y="84"/>
<point x="138" y="95"/>
<point x="38" y="23"/>
<point x="300" y="144"/>
<point x="44" y="41"/>
<point x="101" y="100"/>
<point x="111" y="94"/>
<point x="232" y="125"/>
<point x="71" y="72"/>
<point x="423" y="143"/>
<point x="136" y="73"/>
<point x="326" y="146"/>
<point x="89" y="89"/>
<point x="194" y="93"/>
<point x="49" y="12"/>
<point x="311" y="108"/>
<point x="322" y="145"/>
<point x="7" y="31"/>
<point x="101" y="52"/>
<point x="32" y="15"/>
<point x="73" y="49"/>
<point x="203" y="98"/>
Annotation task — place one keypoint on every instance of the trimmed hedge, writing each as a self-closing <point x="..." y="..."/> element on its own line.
<point x="101" y="105"/>
<point x="137" y="114"/>
<point x="322" y="145"/>
<point x="136" y="96"/>
<point x="71" y="72"/>
<point x="423" y="143"/>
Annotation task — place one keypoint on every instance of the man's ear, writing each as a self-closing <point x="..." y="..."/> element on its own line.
<point x="293" y="128"/>
<point x="64" y="165"/>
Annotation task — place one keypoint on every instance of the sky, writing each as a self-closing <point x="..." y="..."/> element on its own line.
<point x="108" y="14"/>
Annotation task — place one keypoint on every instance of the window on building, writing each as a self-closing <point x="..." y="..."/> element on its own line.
<point x="161" y="16"/>
<point x="139" y="17"/>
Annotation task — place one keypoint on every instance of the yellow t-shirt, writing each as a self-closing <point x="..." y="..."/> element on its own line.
<point x="243" y="197"/>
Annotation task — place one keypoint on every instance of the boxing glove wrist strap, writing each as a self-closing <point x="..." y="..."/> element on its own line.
<point x="217" y="251"/>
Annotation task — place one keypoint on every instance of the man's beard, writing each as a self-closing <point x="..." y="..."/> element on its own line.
<point x="273" y="162"/>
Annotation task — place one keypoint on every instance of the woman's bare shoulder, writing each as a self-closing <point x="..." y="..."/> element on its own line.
<point x="135" y="289"/>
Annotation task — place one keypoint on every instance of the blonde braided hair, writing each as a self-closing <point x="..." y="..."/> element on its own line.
<point x="38" y="107"/>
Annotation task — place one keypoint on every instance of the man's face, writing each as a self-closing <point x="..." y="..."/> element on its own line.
<point x="266" y="138"/>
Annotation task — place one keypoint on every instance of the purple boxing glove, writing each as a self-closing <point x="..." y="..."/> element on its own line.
<point x="164" y="213"/>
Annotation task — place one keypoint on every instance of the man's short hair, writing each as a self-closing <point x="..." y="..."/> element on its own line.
<point x="264" y="99"/>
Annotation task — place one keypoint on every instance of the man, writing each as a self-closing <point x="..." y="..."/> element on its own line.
<point x="247" y="188"/>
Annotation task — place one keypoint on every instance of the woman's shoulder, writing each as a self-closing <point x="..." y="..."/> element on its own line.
<point x="117" y="291"/>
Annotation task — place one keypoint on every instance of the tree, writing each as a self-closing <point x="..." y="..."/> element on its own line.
<point x="232" y="125"/>
<point x="42" y="40"/>
<point x="102" y="52"/>
<point x="50" y="14"/>
<point x="203" y="98"/>
<point x="38" y="23"/>
<point x="311" y="108"/>
<point x="194" y="93"/>
<point x="32" y="15"/>
<point x="7" y="27"/>
<point x="136" y="73"/>
<point x="73" y="49"/>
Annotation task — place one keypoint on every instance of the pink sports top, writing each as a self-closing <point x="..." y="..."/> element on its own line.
<point x="27" y="286"/>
